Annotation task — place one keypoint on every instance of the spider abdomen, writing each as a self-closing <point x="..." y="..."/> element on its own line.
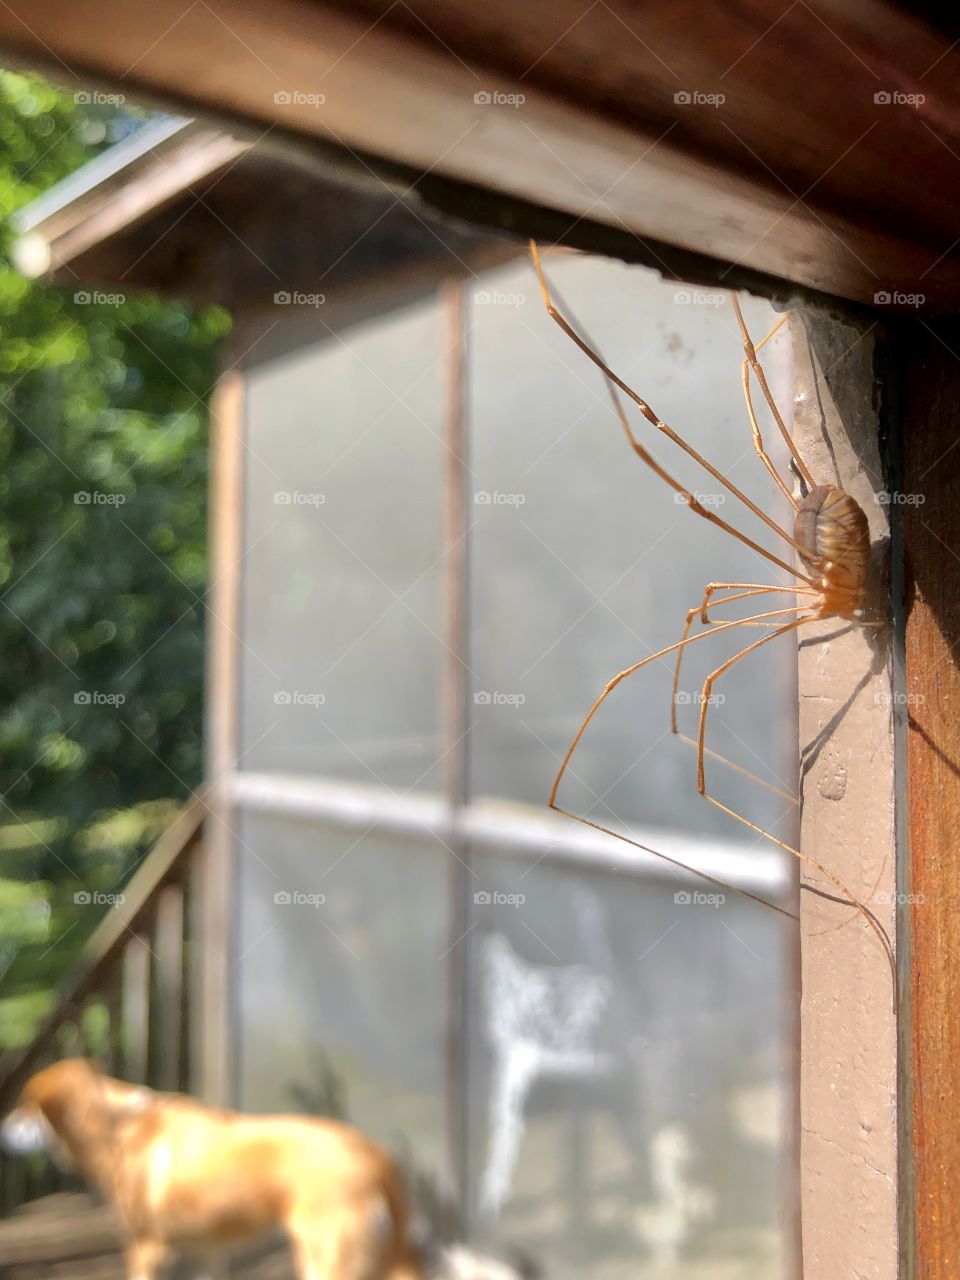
<point x="834" y="537"/>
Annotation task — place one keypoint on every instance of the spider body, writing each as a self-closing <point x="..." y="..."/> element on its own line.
<point x="834" y="541"/>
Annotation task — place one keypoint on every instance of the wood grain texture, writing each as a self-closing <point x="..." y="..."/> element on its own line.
<point x="930" y="410"/>
<point x="798" y="171"/>
<point x="848" y="1085"/>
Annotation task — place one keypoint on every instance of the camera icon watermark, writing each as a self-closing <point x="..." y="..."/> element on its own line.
<point x="95" y="698"/>
<point x="297" y="898"/>
<point x="895" y="698"/>
<point x="494" y="98"/>
<point x="95" y="298"/>
<point x="896" y="98"/>
<point x="294" y="498"/>
<point x="893" y="498"/>
<point x="697" y="898"/>
<point x="699" y="297"/>
<point x="297" y="98"/>
<point x="695" y="98"/>
<point x="95" y="498"/>
<point x="94" y="898"/>
<point x="296" y="698"/>
<point x="494" y="698"/>
<point x="699" y="499"/>
<point x="494" y="498"/>
<point x="486" y="898"/>
<point x="498" y="298"/>
<point x="297" y="298"/>
<point x="683" y="698"/>
<point x="897" y="298"/>
<point x="95" y="98"/>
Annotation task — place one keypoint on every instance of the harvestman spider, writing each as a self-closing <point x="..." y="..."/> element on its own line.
<point x="830" y="537"/>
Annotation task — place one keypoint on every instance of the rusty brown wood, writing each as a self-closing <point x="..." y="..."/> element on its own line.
<point x="929" y="408"/>
<point x="799" y="172"/>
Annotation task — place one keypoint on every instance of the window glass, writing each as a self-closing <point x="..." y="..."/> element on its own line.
<point x="340" y="630"/>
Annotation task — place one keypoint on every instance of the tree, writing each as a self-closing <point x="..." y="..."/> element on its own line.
<point x="103" y="425"/>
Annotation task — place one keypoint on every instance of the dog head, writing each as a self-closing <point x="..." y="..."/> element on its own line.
<point x="64" y="1107"/>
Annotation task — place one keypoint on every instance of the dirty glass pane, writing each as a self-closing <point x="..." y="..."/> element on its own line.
<point x="340" y="978"/>
<point x="339" y="634"/>
<point x="585" y="563"/>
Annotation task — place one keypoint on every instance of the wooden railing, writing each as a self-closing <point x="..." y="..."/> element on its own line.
<point x="133" y="1001"/>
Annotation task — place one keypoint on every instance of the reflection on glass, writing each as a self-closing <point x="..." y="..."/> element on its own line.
<point x="627" y="1072"/>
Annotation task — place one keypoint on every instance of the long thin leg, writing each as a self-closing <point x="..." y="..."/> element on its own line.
<point x="750" y="352"/>
<point x="835" y="880"/>
<point x="751" y="589"/>
<point x="758" y="438"/>
<point x="745" y="591"/>
<point x="614" y="382"/>
<point x="607" y="690"/>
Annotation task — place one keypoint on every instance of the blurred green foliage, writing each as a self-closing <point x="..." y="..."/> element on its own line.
<point x="103" y="427"/>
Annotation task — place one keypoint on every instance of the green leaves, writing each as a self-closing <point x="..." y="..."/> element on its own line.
<point x="103" y="479"/>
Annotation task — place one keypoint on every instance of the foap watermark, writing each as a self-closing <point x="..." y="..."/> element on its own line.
<point x="295" y="298"/>
<point x="95" y="698"/>
<point x="897" y="298"/>
<point x="96" y="498"/>
<point x="497" y="298"/>
<point x="895" y="499"/>
<point x="699" y="499"/>
<point x="895" y="698"/>
<point x="495" y="98"/>
<point x="94" y="898"/>
<point x="486" y="698"/>
<point x="697" y="898"/>
<point x="96" y="98"/>
<point x="295" y="698"/>
<point x="696" y="98"/>
<point x="700" y="298"/>
<point x="297" y="898"/>
<point x="294" y="498"/>
<point x="494" y="898"/>
<point x="896" y="98"/>
<point x="685" y="699"/>
<point x="298" y="98"/>
<point x="96" y="298"/>
<point x="486" y="498"/>
<point x="886" y="898"/>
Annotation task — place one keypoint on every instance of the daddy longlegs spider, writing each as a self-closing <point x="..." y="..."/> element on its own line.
<point x="830" y="537"/>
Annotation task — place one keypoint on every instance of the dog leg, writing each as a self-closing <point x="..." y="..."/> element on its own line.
<point x="358" y="1246"/>
<point x="312" y="1260"/>
<point x="144" y="1258"/>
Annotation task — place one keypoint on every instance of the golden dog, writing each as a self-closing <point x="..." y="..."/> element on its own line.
<point x="181" y="1174"/>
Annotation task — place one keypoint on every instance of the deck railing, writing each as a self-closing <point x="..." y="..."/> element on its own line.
<point x="133" y="1001"/>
